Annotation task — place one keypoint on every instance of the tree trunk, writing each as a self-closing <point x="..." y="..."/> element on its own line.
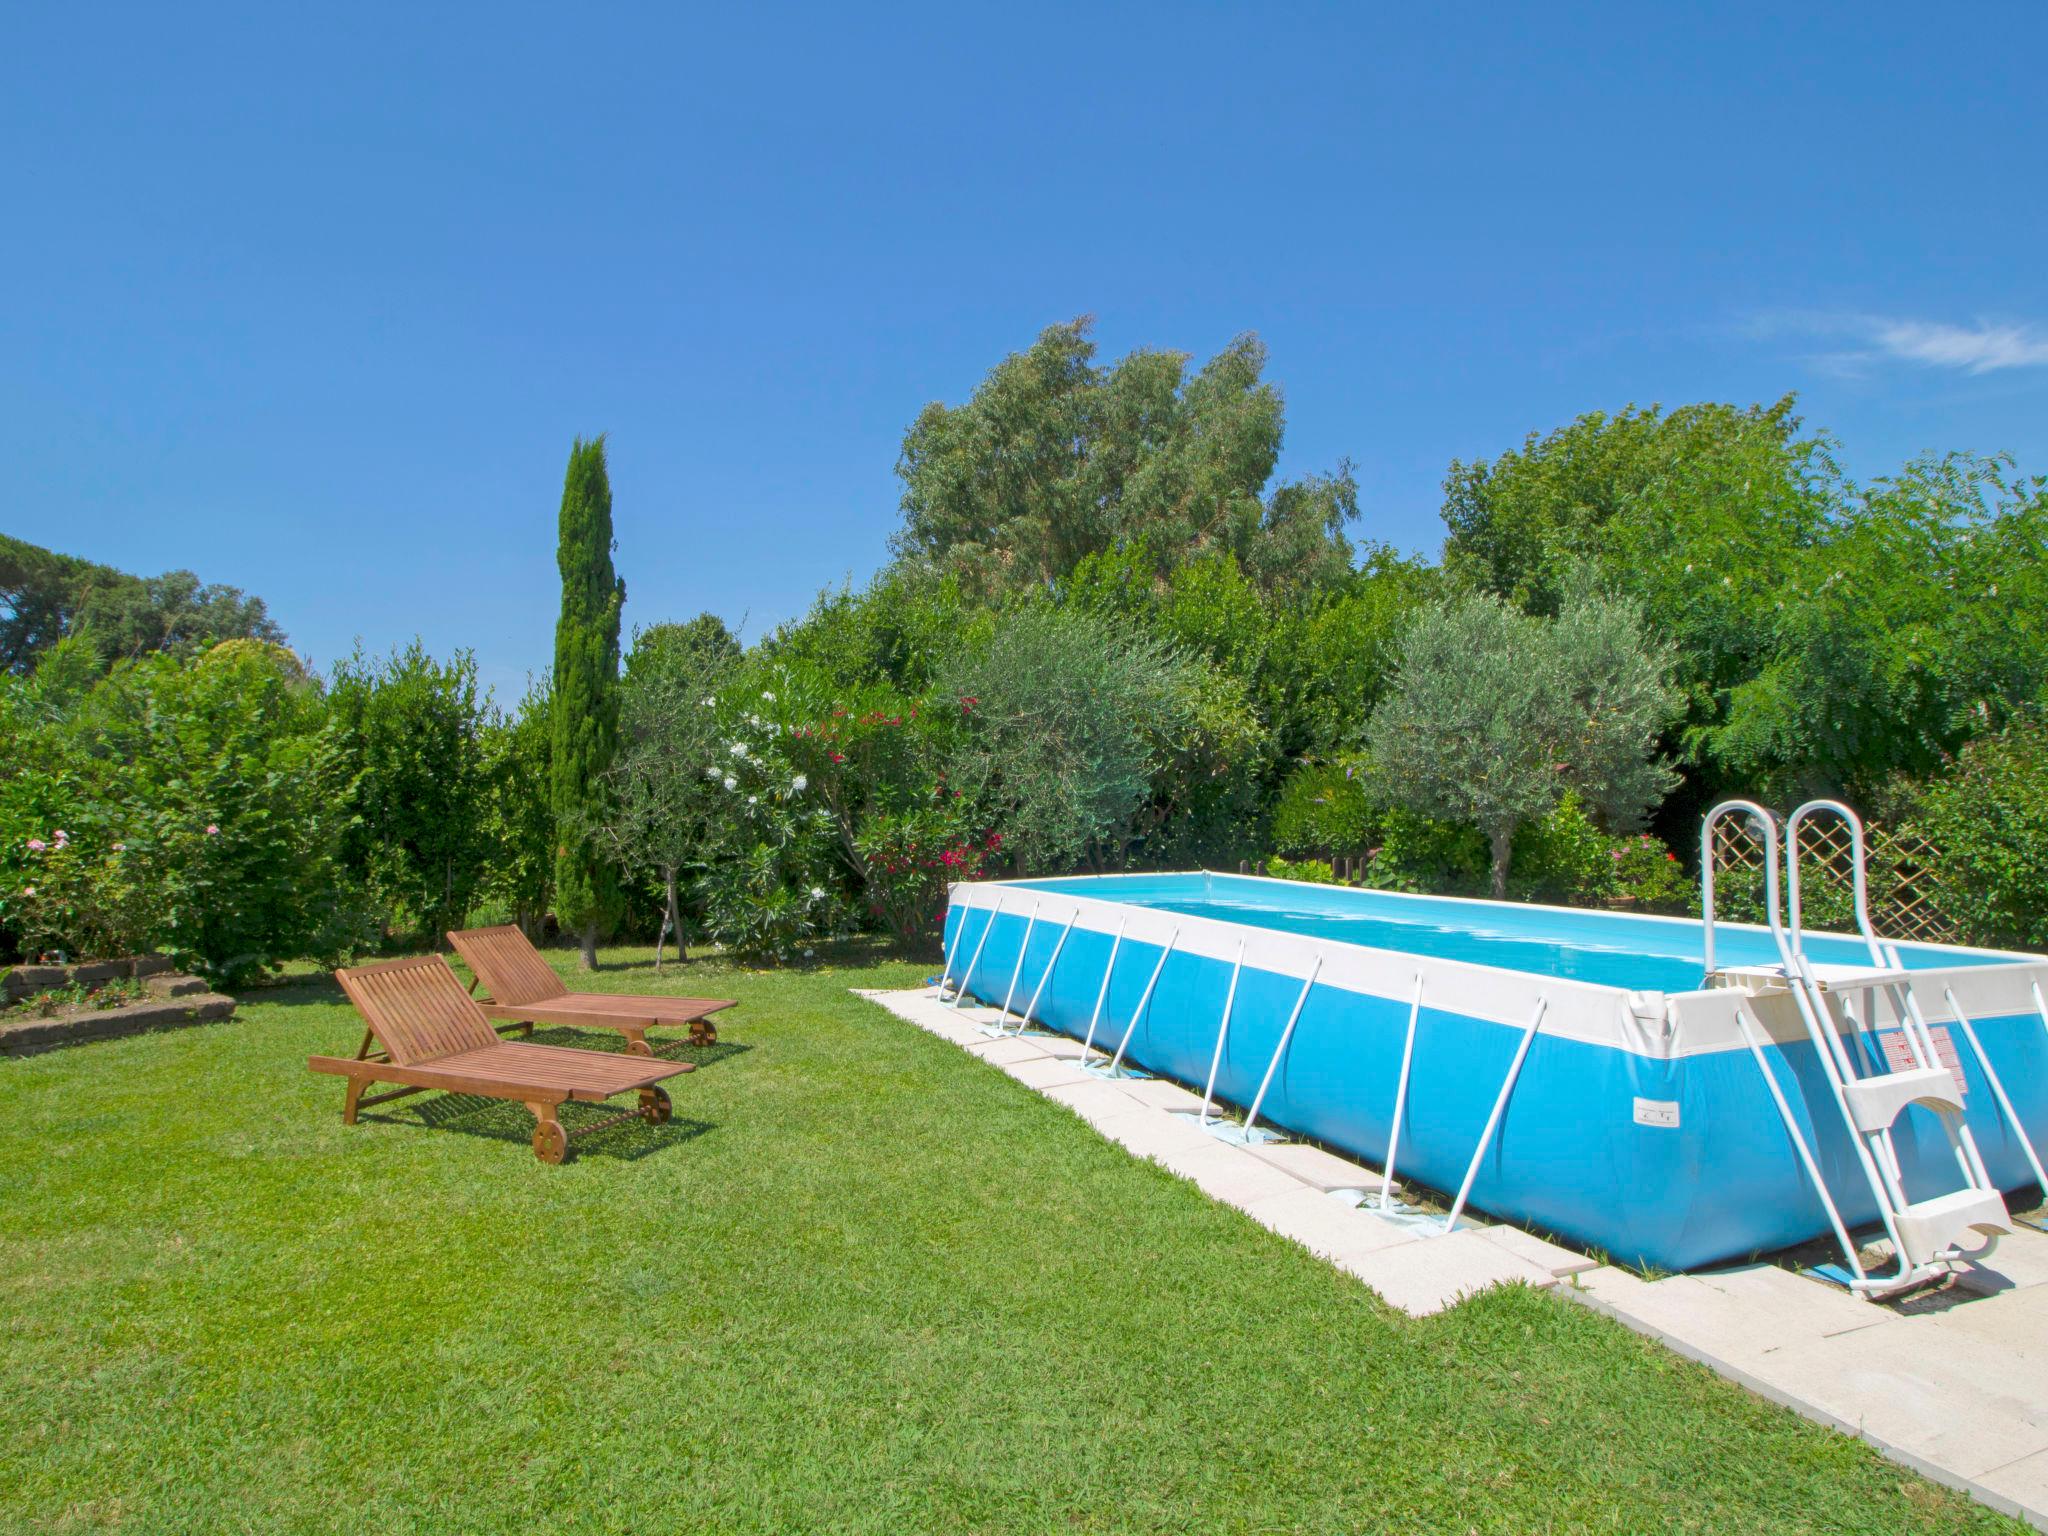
<point x="1502" y="842"/>
<point x="673" y="917"/>
<point x="590" y="946"/>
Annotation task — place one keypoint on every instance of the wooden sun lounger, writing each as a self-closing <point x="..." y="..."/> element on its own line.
<point x="524" y="989"/>
<point x="434" y="1036"/>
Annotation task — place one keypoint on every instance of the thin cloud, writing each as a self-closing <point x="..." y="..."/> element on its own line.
<point x="1986" y="347"/>
<point x="1974" y="349"/>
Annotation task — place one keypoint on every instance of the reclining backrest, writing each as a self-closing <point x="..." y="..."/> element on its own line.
<point x="508" y="965"/>
<point x="417" y="1009"/>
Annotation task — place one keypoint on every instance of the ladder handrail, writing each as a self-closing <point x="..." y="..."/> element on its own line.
<point x="1767" y="824"/>
<point x="1859" y="859"/>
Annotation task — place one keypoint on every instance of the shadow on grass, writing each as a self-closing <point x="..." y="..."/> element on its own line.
<point x="853" y="950"/>
<point x="502" y="1120"/>
<point x="673" y="1049"/>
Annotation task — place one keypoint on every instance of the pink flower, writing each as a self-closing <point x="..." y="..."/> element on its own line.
<point x="28" y="890"/>
<point x="120" y="847"/>
<point x="212" y="830"/>
<point x="61" y="835"/>
<point x="36" y="845"/>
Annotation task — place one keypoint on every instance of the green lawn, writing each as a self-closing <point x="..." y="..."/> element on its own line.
<point x="862" y="1283"/>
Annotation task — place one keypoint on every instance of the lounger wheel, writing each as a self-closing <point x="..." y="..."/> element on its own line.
<point x="703" y="1032"/>
<point x="550" y="1141"/>
<point x="655" y="1105"/>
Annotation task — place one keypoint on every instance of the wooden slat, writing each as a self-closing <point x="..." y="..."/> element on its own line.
<point x="508" y="964"/>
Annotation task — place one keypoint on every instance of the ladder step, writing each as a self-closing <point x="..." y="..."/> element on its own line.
<point x="1930" y="1228"/>
<point x="1875" y="1102"/>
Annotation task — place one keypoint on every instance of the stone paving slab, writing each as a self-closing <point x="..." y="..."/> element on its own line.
<point x="1043" y="1072"/>
<point x="2025" y="1483"/>
<point x="1953" y="1384"/>
<point x="1432" y="1273"/>
<point x="2019" y="1260"/>
<point x="1544" y="1254"/>
<point x="1092" y="1099"/>
<point x="1961" y="1407"/>
<point x="1228" y="1173"/>
<point x="1327" y="1228"/>
<point x="1158" y="1093"/>
<point x="1148" y="1133"/>
<point x="1316" y="1167"/>
<point x="1003" y="1052"/>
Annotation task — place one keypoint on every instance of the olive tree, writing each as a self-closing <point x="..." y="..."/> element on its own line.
<point x="658" y="809"/>
<point x="1062" y="707"/>
<point x="1495" y="713"/>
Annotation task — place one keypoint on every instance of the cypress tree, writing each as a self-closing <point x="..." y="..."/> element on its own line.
<point x="586" y="697"/>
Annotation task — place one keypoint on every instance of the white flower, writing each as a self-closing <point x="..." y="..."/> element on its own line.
<point x="714" y="772"/>
<point x="731" y="782"/>
<point x="817" y="893"/>
<point x="707" y="702"/>
<point x="753" y="719"/>
<point x="739" y="749"/>
<point x="753" y="799"/>
<point x="768" y="696"/>
<point x="799" y="784"/>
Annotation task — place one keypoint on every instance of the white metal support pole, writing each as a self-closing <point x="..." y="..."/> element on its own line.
<point x="1031" y="1007"/>
<point x="988" y="928"/>
<point x="1018" y="969"/>
<point x="1138" y="1013"/>
<point x="1222" y="1030"/>
<point x="953" y="950"/>
<point x="1997" y="1089"/>
<point x="1799" y="1142"/>
<point x="1108" y="971"/>
<point x="1500" y="1104"/>
<point x="1400" y="1098"/>
<point x="1287" y="1034"/>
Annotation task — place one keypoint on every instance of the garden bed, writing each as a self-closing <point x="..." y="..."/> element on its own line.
<point x="42" y="1006"/>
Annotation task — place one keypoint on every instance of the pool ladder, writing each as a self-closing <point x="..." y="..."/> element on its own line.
<point x="1925" y="1234"/>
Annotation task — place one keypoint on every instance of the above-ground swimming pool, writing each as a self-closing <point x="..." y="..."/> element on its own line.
<point x="1640" y="1121"/>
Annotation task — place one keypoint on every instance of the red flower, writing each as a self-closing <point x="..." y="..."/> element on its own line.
<point x="838" y="757"/>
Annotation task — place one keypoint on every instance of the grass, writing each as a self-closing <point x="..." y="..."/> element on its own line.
<point x="862" y="1283"/>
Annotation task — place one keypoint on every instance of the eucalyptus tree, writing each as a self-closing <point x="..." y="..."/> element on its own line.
<point x="1056" y="457"/>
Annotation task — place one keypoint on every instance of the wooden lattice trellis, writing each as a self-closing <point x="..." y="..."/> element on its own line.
<point x="1905" y="893"/>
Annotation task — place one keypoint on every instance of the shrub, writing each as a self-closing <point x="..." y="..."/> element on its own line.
<point x="221" y="782"/>
<point x="1564" y="858"/>
<point x="775" y="880"/>
<point x="1649" y="878"/>
<point x="409" y="731"/>
<point x="1309" y="871"/>
<point x="1421" y="854"/>
<point x="77" y="894"/>
<point x="1988" y="816"/>
<point x="1325" y="808"/>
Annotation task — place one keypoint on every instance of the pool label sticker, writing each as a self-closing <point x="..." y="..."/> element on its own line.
<point x="1662" y="1113"/>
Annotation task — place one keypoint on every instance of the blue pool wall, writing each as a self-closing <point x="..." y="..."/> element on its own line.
<point x="1569" y="1156"/>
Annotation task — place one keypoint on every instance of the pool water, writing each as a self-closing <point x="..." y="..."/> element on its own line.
<point x="1606" y="948"/>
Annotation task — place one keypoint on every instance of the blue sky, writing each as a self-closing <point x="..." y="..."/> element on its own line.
<point x="315" y="304"/>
